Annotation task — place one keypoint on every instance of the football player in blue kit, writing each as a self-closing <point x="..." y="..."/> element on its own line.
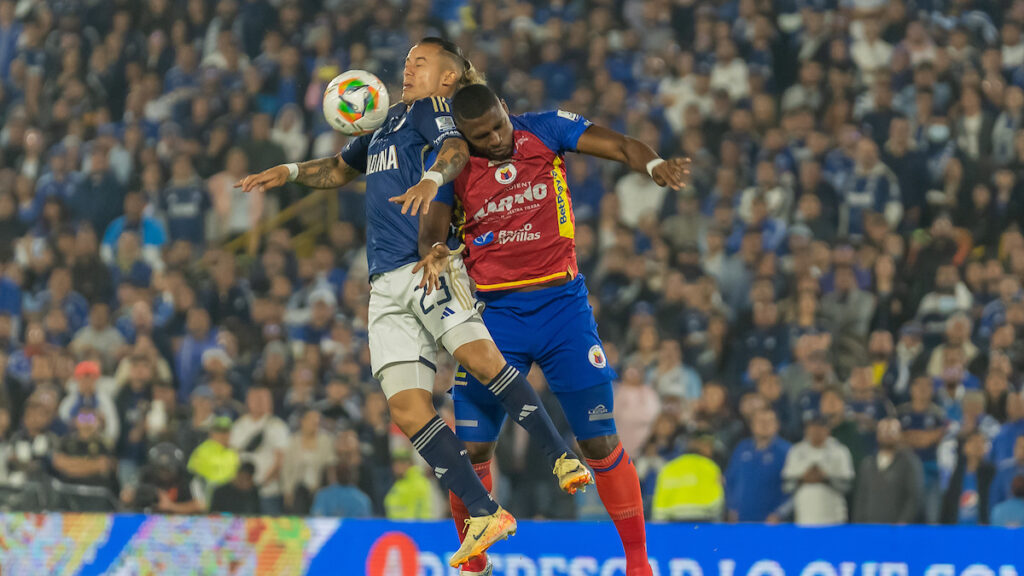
<point x="406" y="323"/>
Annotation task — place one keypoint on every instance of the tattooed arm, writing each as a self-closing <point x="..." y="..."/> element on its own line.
<point x="451" y="159"/>
<point x="330" y="172"/>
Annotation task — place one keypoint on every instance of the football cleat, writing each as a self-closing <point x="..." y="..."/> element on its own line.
<point x="481" y="533"/>
<point x="487" y="571"/>
<point x="572" y="474"/>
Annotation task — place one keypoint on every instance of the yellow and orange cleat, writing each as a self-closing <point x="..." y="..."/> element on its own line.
<point x="572" y="474"/>
<point x="481" y="533"/>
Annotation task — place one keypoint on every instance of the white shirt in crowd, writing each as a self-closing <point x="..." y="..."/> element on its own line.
<point x="638" y="196"/>
<point x="825" y="502"/>
<point x="262" y="454"/>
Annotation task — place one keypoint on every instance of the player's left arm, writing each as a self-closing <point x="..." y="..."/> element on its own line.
<point x="608" y="144"/>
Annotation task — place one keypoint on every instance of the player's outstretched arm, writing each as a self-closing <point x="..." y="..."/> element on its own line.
<point x="451" y="159"/>
<point x="610" y="145"/>
<point x="330" y="172"/>
<point x="433" y="251"/>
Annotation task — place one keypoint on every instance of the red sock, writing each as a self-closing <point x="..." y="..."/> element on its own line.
<point x="619" y="488"/>
<point x="460" y="514"/>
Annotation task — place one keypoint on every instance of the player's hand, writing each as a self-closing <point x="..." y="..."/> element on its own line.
<point x="674" y="173"/>
<point x="266" y="180"/>
<point x="432" y="266"/>
<point x="419" y="196"/>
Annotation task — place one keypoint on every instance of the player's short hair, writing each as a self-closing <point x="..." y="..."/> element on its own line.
<point x="468" y="74"/>
<point x="473" y="101"/>
<point x="453" y="50"/>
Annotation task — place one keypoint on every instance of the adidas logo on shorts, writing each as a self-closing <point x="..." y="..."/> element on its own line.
<point x="447" y="312"/>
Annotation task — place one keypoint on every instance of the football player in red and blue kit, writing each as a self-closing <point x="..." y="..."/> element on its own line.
<point x="515" y="212"/>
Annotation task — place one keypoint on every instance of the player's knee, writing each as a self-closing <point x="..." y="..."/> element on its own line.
<point x="599" y="447"/>
<point x="408" y="387"/>
<point x="481" y="358"/>
<point x="480" y="451"/>
<point x="410" y="412"/>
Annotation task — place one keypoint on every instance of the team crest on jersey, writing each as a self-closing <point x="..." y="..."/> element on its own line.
<point x="505" y="174"/>
<point x="597" y="357"/>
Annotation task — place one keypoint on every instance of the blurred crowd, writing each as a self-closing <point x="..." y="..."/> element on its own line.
<point x="826" y="326"/>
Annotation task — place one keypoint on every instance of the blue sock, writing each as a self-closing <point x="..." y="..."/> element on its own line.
<point x="525" y="408"/>
<point x="447" y="455"/>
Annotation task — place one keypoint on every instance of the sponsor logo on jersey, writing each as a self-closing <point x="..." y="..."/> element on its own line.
<point x="524" y="234"/>
<point x="599" y="412"/>
<point x="383" y="160"/>
<point x="596" y="357"/>
<point x="505" y="174"/>
<point x="484" y="239"/>
<point x="509" y="203"/>
<point x="566" y="228"/>
<point x="569" y="115"/>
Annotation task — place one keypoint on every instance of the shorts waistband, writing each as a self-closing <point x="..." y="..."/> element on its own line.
<point x="515" y="297"/>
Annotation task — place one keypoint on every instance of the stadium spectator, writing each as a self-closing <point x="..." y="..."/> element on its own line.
<point x="1011" y="430"/>
<point x="1006" y="471"/>
<point x="753" y="480"/>
<point x="340" y="497"/>
<point x="83" y="393"/>
<point x="890" y="482"/>
<point x="188" y="360"/>
<point x="32" y="446"/>
<point x="1011" y="512"/>
<point x="213" y="461"/>
<point x="689" y="488"/>
<point x="165" y="487"/>
<point x="832" y="406"/>
<point x="132" y="405"/>
<point x="99" y="336"/>
<point x="924" y="426"/>
<point x="411" y="497"/>
<point x="240" y="496"/>
<point x="262" y="438"/>
<point x="819" y="473"/>
<point x="637" y="406"/>
<point x="150" y="231"/>
<point x="966" y="499"/>
<point x="309" y="455"/>
<point x="83" y="457"/>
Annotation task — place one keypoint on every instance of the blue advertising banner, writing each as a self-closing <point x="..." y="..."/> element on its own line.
<point x="137" y="545"/>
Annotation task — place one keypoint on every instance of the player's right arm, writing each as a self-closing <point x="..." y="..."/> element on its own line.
<point x="331" y="172"/>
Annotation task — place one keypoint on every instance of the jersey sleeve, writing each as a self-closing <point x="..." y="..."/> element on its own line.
<point x="354" y="153"/>
<point x="432" y="118"/>
<point x="559" y="130"/>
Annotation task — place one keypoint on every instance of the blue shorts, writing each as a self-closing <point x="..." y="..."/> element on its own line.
<point x="555" y="328"/>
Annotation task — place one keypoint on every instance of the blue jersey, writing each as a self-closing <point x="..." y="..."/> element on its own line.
<point x="394" y="158"/>
<point x="753" y="480"/>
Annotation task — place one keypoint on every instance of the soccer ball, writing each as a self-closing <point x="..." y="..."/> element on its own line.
<point x="356" y="102"/>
